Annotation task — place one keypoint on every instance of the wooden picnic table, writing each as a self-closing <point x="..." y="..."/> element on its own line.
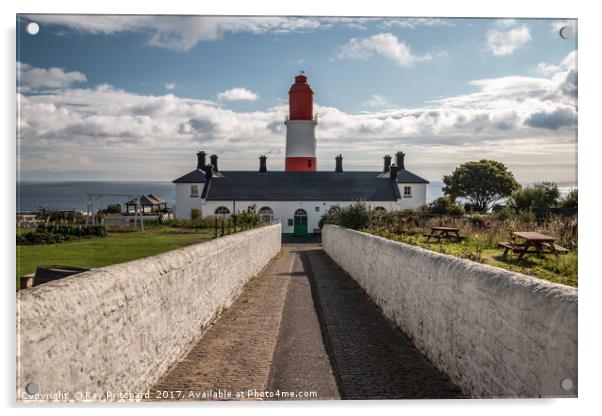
<point x="540" y="243"/>
<point x="449" y="233"/>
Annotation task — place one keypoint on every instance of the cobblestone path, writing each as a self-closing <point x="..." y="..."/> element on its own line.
<point x="303" y="329"/>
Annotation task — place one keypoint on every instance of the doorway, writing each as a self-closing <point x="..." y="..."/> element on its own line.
<point x="300" y="222"/>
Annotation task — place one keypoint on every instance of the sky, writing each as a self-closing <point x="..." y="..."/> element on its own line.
<point x="133" y="98"/>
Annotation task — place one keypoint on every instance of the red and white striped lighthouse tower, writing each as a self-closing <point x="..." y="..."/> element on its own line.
<point x="300" y="128"/>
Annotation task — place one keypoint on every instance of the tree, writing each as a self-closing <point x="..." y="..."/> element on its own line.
<point x="483" y="183"/>
<point x="113" y="209"/>
<point x="539" y="197"/>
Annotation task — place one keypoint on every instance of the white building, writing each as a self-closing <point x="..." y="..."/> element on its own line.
<point x="300" y="195"/>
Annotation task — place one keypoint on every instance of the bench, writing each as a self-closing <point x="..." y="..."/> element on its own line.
<point x="516" y="248"/>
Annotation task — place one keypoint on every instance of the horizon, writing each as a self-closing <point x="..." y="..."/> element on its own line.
<point x="107" y="97"/>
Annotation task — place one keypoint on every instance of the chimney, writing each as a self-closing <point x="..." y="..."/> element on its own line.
<point x="399" y="160"/>
<point x="214" y="162"/>
<point x="263" y="167"/>
<point x="394" y="169"/>
<point x="208" y="169"/>
<point x="201" y="162"/>
<point x="339" y="164"/>
<point x="387" y="163"/>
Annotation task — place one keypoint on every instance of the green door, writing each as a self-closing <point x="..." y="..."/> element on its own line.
<point x="300" y="222"/>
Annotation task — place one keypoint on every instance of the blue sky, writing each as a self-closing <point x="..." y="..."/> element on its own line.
<point x="103" y="96"/>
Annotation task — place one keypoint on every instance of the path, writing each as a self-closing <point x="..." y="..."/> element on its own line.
<point x="303" y="329"/>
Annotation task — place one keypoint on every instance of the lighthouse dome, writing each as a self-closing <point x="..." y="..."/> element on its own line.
<point x="300" y="98"/>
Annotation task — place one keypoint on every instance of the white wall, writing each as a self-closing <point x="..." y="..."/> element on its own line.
<point x="119" y="327"/>
<point x="184" y="202"/>
<point x="285" y="210"/>
<point x="418" y="197"/>
<point x="494" y="332"/>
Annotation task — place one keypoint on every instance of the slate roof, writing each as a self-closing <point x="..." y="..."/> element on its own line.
<point x="304" y="186"/>
<point x="147" y="200"/>
<point x="196" y="176"/>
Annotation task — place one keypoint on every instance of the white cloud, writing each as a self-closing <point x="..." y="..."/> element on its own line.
<point x="506" y="23"/>
<point x="501" y="43"/>
<point x="376" y="100"/>
<point x="386" y="45"/>
<point x="32" y="78"/>
<point x="512" y="118"/>
<point x="180" y="33"/>
<point x="559" y="24"/>
<point x="237" y="94"/>
<point x="412" y="23"/>
<point x="169" y="85"/>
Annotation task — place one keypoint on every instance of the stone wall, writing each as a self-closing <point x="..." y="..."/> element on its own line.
<point x="494" y="332"/>
<point x="118" y="328"/>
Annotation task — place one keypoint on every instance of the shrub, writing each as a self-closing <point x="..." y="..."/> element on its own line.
<point x="444" y="206"/>
<point x="57" y="233"/>
<point x="539" y="198"/>
<point x="195" y="214"/>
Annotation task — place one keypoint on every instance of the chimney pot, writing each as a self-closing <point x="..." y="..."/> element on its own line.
<point x="201" y="162"/>
<point x="400" y="160"/>
<point x="214" y="162"/>
<point x="387" y="164"/>
<point x="263" y="164"/>
<point x="339" y="164"/>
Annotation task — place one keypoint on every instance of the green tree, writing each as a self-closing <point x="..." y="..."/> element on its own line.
<point x="539" y="197"/>
<point x="570" y="200"/>
<point x="113" y="209"/>
<point x="483" y="183"/>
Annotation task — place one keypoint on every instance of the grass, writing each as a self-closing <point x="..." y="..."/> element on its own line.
<point x="482" y="248"/>
<point x="115" y="248"/>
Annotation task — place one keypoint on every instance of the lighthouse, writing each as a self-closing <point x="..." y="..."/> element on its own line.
<point x="300" y="128"/>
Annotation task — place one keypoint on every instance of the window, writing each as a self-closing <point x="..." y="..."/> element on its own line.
<point x="317" y="209"/>
<point x="194" y="191"/>
<point x="380" y="209"/>
<point x="309" y="163"/>
<point x="266" y="214"/>
<point x="407" y="191"/>
<point x="222" y="211"/>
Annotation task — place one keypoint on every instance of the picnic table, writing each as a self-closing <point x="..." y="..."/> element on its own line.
<point x="448" y="233"/>
<point x="540" y="243"/>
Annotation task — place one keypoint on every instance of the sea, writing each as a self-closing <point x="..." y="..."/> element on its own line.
<point x="33" y="196"/>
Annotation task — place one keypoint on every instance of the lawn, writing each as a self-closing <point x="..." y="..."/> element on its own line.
<point x="558" y="270"/>
<point x="115" y="248"/>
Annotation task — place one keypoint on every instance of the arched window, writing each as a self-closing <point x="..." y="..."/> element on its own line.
<point x="266" y="214"/>
<point x="222" y="211"/>
<point x="380" y="209"/>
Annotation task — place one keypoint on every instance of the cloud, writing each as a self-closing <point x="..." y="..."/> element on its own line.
<point x="502" y="43"/>
<point x="507" y="117"/>
<point x="386" y="45"/>
<point x="557" y="25"/>
<point x="32" y="78"/>
<point x="506" y="23"/>
<point x="180" y="33"/>
<point x="237" y="94"/>
<point x="560" y="117"/>
<point x="412" y="23"/>
<point x="169" y="85"/>
<point x="377" y="101"/>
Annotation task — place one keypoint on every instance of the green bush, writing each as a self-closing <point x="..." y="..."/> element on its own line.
<point x="57" y="233"/>
<point x="444" y="206"/>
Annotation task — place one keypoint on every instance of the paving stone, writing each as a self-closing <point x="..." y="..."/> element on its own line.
<point x="303" y="325"/>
